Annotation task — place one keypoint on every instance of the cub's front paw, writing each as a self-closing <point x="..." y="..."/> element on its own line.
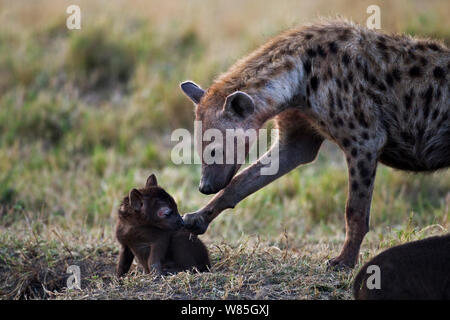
<point x="195" y="222"/>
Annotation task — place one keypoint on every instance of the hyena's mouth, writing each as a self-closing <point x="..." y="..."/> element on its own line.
<point x="206" y="187"/>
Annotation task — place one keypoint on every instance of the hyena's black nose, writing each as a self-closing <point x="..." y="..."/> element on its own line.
<point x="205" y="187"/>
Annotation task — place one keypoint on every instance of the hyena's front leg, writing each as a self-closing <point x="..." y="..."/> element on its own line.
<point x="362" y="164"/>
<point x="125" y="260"/>
<point x="293" y="151"/>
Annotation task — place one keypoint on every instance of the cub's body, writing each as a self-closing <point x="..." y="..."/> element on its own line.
<point x="151" y="229"/>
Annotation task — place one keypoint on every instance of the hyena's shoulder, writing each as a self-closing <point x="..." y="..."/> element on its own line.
<point x="343" y="61"/>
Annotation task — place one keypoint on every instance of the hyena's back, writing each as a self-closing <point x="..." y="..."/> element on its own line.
<point x="379" y="85"/>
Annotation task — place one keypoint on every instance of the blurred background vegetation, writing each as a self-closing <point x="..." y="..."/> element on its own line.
<point x="85" y="115"/>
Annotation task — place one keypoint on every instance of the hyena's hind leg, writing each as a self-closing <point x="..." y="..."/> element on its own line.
<point x="362" y="159"/>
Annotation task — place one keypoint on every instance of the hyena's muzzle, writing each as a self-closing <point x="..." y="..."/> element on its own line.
<point x="215" y="177"/>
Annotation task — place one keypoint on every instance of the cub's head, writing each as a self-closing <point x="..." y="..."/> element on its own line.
<point x="151" y="206"/>
<point x="220" y="114"/>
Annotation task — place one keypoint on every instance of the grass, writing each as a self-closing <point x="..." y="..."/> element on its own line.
<point x="34" y="267"/>
<point x="86" y="115"/>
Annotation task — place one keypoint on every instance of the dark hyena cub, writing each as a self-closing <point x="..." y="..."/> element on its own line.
<point x="415" y="270"/>
<point x="151" y="229"/>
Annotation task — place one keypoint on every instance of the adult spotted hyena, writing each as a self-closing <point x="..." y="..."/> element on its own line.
<point x="379" y="97"/>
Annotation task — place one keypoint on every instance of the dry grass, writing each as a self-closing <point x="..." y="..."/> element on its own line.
<point x="248" y="269"/>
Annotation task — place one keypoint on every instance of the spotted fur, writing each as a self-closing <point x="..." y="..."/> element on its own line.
<point x="379" y="97"/>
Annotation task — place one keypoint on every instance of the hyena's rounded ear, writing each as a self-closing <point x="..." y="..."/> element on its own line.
<point x="239" y="103"/>
<point x="151" y="181"/>
<point x="135" y="199"/>
<point x="192" y="90"/>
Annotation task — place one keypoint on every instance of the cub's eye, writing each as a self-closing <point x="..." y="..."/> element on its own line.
<point x="164" y="212"/>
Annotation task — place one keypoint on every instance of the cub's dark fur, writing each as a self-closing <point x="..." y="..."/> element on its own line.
<point x="417" y="270"/>
<point x="151" y="229"/>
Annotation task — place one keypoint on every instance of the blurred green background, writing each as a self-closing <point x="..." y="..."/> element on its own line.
<point x="85" y="115"/>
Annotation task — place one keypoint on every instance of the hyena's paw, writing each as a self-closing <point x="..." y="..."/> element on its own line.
<point x="195" y="222"/>
<point x="341" y="263"/>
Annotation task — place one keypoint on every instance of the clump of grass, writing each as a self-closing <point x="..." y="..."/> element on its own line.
<point x="425" y="25"/>
<point x="46" y="118"/>
<point x="21" y="59"/>
<point x="151" y="157"/>
<point x="97" y="60"/>
<point x="34" y="268"/>
<point x="99" y="160"/>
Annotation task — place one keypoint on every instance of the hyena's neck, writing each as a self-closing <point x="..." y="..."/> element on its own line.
<point x="284" y="90"/>
<point x="273" y="87"/>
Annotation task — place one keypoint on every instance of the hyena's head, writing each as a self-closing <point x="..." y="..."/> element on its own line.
<point x="151" y="206"/>
<point x="227" y="123"/>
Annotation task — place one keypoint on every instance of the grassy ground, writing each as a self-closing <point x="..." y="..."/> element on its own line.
<point x="87" y="115"/>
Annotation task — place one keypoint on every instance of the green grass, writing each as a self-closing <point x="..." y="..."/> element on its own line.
<point x="86" y="115"/>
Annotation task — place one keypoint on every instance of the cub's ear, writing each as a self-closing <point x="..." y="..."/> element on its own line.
<point x="135" y="199"/>
<point x="193" y="91"/>
<point x="239" y="103"/>
<point x="151" y="181"/>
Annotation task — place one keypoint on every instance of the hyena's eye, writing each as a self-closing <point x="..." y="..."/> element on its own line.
<point x="164" y="212"/>
<point x="213" y="153"/>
